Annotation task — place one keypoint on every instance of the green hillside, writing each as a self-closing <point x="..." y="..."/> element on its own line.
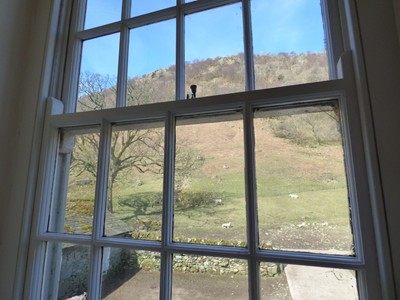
<point x="301" y="183"/>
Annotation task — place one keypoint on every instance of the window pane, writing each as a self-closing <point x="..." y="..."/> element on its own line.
<point x="303" y="282"/>
<point x="130" y="274"/>
<point x="151" y="69"/>
<point x="273" y="282"/>
<point x="101" y="12"/>
<point x="301" y="181"/>
<point x="288" y="42"/>
<point x="209" y="181"/>
<point x="214" y="51"/>
<point x="134" y="204"/>
<point x="67" y="268"/>
<point x="140" y="7"/>
<point x="209" y="278"/>
<point x="98" y="74"/>
<point x="74" y="186"/>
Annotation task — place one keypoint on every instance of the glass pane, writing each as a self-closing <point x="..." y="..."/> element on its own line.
<point x="140" y="7"/>
<point x="209" y="278"/>
<point x="214" y="51"/>
<point x="130" y="274"/>
<point x="101" y="12"/>
<point x="134" y="204"/>
<point x="98" y="74"/>
<point x="151" y="72"/>
<point x="304" y="282"/>
<point x="273" y="282"/>
<point x="288" y="42"/>
<point x="209" y="181"/>
<point x="67" y="266"/>
<point x="74" y="186"/>
<point x="301" y="181"/>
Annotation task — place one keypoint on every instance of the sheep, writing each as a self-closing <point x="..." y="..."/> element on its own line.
<point x="293" y="196"/>
<point x="217" y="201"/>
<point x="227" y="225"/>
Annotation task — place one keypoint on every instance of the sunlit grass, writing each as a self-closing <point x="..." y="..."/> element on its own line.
<point x="315" y="175"/>
<point x="320" y="206"/>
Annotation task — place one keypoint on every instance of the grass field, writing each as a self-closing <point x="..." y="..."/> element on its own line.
<point x="319" y="214"/>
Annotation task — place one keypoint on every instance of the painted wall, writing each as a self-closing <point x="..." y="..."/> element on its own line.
<point x="23" y="31"/>
<point x="382" y="61"/>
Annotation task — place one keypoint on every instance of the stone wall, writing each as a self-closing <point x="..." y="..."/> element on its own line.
<point x="74" y="271"/>
<point x="116" y="262"/>
<point x="207" y="264"/>
<point x="75" y="262"/>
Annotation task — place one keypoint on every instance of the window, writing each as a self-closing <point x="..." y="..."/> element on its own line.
<point x="202" y="148"/>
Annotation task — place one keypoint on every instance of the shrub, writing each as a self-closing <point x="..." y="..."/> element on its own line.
<point x="312" y="129"/>
<point x="188" y="199"/>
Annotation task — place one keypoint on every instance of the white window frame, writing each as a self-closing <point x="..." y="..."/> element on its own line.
<point x="60" y="115"/>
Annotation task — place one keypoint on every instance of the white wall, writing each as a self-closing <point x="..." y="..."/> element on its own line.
<point x="23" y="29"/>
<point x="23" y="26"/>
<point x="382" y="61"/>
<point x="13" y="32"/>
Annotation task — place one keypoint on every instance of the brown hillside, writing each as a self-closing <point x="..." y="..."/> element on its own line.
<point x="214" y="76"/>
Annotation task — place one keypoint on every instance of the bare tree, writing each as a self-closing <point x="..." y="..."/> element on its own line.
<point x="96" y="92"/>
<point x="187" y="160"/>
<point x="141" y="150"/>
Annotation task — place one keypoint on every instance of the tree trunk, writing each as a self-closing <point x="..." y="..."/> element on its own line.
<point x="110" y="206"/>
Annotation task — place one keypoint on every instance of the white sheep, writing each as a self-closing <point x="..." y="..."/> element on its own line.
<point x="217" y="201"/>
<point x="293" y="196"/>
<point x="227" y="225"/>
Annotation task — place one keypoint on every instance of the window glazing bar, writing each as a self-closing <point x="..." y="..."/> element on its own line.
<point x="129" y="243"/>
<point x="333" y="34"/>
<point x="99" y="210"/>
<point x="168" y="207"/>
<point x="49" y="156"/>
<point x="180" y="52"/>
<point x="99" y="31"/>
<point x="67" y="238"/>
<point x="251" y="203"/>
<point x="208" y="250"/>
<point x="122" y="80"/>
<point x="126" y="9"/>
<point x="248" y="46"/>
<point x="102" y="180"/>
<point x="198" y="6"/>
<point x="150" y="18"/>
<point x="275" y="96"/>
<point x="70" y="90"/>
<point x="312" y="259"/>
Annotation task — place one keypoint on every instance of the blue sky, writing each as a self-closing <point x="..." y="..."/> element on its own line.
<point x="278" y="26"/>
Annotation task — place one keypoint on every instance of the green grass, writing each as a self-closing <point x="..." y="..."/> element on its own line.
<point x="315" y="174"/>
<point x="206" y="221"/>
<point x="320" y="206"/>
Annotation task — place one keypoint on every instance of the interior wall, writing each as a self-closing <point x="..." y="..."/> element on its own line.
<point x="396" y="10"/>
<point x="379" y="36"/>
<point x="23" y="31"/>
<point x="14" y="31"/>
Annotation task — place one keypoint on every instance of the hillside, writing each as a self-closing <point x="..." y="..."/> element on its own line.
<point x="225" y="75"/>
<point x="212" y="76"/>
<point x="297" y="152"/>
